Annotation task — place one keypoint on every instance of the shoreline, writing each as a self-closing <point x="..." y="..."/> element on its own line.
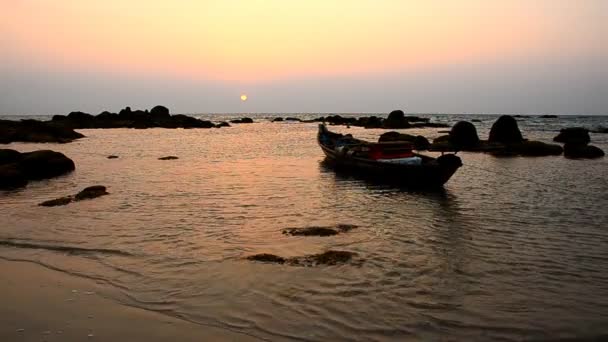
<point x="41" y="304"/>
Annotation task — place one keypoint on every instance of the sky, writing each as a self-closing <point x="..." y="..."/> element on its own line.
<point x="291" y="56"/>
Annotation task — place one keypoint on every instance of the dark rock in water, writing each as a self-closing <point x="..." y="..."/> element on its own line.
<point x="91" y="192"/>
<point x="370" y="122"/>
<point x="57" y="202"/>
<point x="160" y="113"/>
<point x="319" y="231"/>
<point x="310" y="231"/>
<point x="464" y="134"/>
<point x="329" y="258"/>
<point x="45" y="164"/>
<point x="279" y="119"/>
<point x="36" y="131"/>
<point x="419" y="142"/>
<point x="9" y="156"/>
<point x="573" y="135"/>
<point x="168" y="158"/>
<point x="582" y="151"/>
<point x="396" y="119"/>
<point x="535" y="149"/>
<point x="11" y="177"/>
<point x="506" y="131"/>
<point x="82" y="120"/>
<point x="521" y="116"/>
<point x="112" y="157"/>
<point x="264" y="257"/>
<point x="600" y="129"/>
<point x="222" y="124"/>
<point x="293" y="119"/>
<point x="548" y="116"/>
<point x="475" y="120"/>
<point x="243" y="120"/>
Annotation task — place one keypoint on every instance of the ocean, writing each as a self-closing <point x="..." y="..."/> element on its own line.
<point x="512" y="248"/>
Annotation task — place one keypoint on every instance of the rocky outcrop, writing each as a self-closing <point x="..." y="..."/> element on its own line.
<point x="222" y="124"/>
<point x="16" y="168"/>
<point x="87" y="193"/>
<point x="168" y="158"/>
<point x="395" y="120"/>
<point x="159" y="116"/>
<point x="506" y="131"/>
<point x="278" y="119"/>
<point x="418" y="141"/>
<point x="36" y="132"/>
<point x="582" y="151"/>
<point x="573" y="135"/>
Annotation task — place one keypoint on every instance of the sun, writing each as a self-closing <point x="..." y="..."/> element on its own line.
<point x="243" y="97"/>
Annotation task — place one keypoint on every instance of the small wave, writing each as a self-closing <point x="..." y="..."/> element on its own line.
<point x="60" y="248"/>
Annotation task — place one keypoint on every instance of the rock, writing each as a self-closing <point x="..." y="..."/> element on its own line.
<point x="293" y="119"/>
<point x="419" y="142"/>
<point x="536" y="149"/>
<point x="243" y="120"/>
<point x="464" y="134"/>
<point x="279" y="119"/>
<point x="45" y="164"/>
<point x="160" y="113"/>
<point x="506" y="131"/>
<point x="36" y="131"/>
<point x="475" y="120"/>
<point x="91" y="192"/>
<point x="310" y="231"/>
<point x="222" y="124"/>
<point x="11" y="177"/>
<point x="396" y="119"/>
<point x="582" y="151"/>
<point x="548" y="116"/>
<point x="329" y="258"/>
<point x="57" y="202"/>
<point x="573" y="135"/>
<point x="112" y="157"/>
<point x="81" y="120"/>
<point x="600" y="129"/>
<point x="168" y="158"/>
<point x="264" y="257"/>
<point x="370" y="122"/>
<point x="9" y="156"/>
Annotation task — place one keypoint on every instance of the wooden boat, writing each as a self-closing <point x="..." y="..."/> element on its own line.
<point x="393" y="162"/>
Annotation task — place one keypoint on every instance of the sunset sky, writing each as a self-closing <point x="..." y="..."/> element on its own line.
<point x="199" y="56"/>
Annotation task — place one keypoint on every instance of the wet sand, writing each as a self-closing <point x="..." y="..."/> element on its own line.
<point x="39" y="304"/>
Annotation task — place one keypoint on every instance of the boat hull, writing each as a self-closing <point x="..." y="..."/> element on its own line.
<point x="432" y="173"/>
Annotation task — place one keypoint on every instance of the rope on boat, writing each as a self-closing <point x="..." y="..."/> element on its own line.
<point x="526" y="179"/>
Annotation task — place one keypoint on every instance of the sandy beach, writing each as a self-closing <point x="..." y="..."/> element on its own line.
<point x="39" y="304"/>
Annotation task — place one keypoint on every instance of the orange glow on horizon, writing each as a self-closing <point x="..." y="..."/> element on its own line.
<point x="260" y="40"/>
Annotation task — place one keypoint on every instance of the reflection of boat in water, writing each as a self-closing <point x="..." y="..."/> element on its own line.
<point x="393" y="162"/>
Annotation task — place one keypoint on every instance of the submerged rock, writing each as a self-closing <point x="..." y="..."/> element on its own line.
<point x="87" y="193"/>
<point x="573" y="135"/>
<point x="45" y="164"/>
<point x="278" y="119"/>
<point x="505" y="130"/>
<point x="57" y="202"/>
<point x="535" y="149"/>
<point x="112" y="157"/>
<point x="582" y="151"/>
<point x="168" y="158"/>
<point x="319" y="231"/>
<point x="548" y="116"/>
<point x="265" y="257"/>
<point x="222" y="124"/>
<point x="243" y="120"/>
<point x="328" y="258"/>
<point x="91" y="192"/>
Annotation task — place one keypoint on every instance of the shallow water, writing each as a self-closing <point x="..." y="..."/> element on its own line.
<point x="512" y="248"/>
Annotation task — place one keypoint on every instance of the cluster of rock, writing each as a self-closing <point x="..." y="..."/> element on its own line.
<point x="330" y="257"/>
<point x="242" y="120"/>
<point x="395" y="120"/>
<point x="36" y="131"/>
<point x="158" y="116"/>
<point x="506" y="139"/>
<point x="88" y="193"/>
<point x="576" y="143"/>
<point x="17" y="169"/>
<point x="279" y="119"/>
